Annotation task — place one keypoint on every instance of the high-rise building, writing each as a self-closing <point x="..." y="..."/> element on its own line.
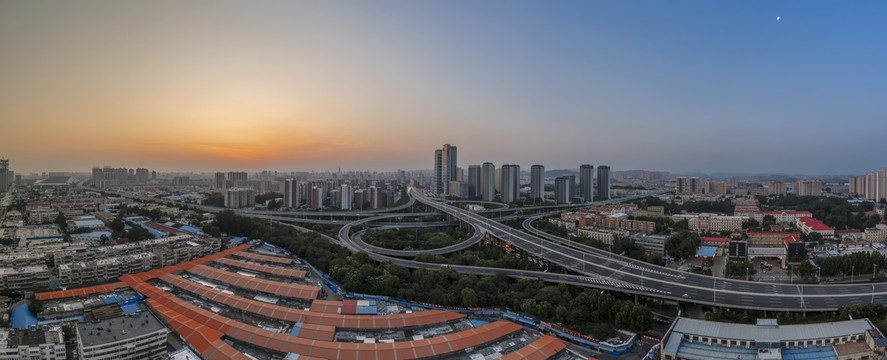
<point x="571" y="187"/>
<point x="603" y="183"/>
<point x="688" y="185"/>
<point x="776" y="188"/>
<point x="444" y="169"/>
<point x="474" y="181"/>
<point x="181" y="180"/>
<point x="290" y="193"/>
<point x="510" y="183"/>
<point x="374" y="197"/>
<point x="715" y="187"/>
<point x="237" y="178"/>
<point x="562" y="190"/>
<point x="316" y="197"/>
<point x="345" y="195"/>
<point x="488" y="182"/>
<point x="881" y="186"/>
<point x="239" y="198"/>
<point x="142" y="175"/>
<point x="807" y="188"/>
<point x="537" y="182"/>
<point x="219" y="180"/>
<point x="857" y="185"/>
<point x="6" y="177"/>
<point x="586" y="182"/>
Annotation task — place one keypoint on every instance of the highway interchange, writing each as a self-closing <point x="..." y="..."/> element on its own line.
<point x="592" y="267"/>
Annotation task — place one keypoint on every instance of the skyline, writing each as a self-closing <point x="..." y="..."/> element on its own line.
<point x="703" y="87"/>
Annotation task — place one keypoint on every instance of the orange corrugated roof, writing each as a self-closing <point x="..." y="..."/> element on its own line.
<point x="257" y="284"/>
<point x="541" y="349"/>
<point x="266" y="258"/>
<point x="50" y="295"/>
<point x="299" y="274"/>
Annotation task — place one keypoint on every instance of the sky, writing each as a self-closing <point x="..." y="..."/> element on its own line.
<point x="687" y="86"/>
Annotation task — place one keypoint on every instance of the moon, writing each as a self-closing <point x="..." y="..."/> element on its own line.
<point x="777" y="18"/>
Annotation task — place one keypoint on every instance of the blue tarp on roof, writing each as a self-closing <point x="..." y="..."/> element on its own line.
<point x="477" y="323"/>
<point x="131" y="308"/>
<point x="22" y="317"/>
<point x="296" y="328"/>
<point x="237" y="240"/>
<point x="707" y="251"/>
<point x="53" y="321"/>
<point x="815" y="353"/>
<point x="190" y="229"/>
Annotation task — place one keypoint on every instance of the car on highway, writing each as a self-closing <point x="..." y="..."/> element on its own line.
<point x="686" y="296"/>
<point x="619" y="286"/>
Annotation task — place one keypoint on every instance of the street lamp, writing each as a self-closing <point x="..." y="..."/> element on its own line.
<point x="817" y="277"/>
<point x="852" y="271"/>
<point x="746" y="273"/>
<point x="875" y="273"/>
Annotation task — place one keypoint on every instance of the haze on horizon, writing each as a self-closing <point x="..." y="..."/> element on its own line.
<point x="222" y="85"/>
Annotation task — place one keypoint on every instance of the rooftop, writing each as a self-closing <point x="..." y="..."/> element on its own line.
<point x="814" y="224"/>
<point x="118" y="328"/>
<point x="771" y="333"/>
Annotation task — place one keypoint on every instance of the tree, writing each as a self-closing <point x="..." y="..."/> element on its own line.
<point x="815" y="237"/>
<point x="138" y="233"/>
<point x="469" y="297"/>
<point x="61" y="221"/>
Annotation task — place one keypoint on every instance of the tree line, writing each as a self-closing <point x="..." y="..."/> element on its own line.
<point x="588" y="311"/>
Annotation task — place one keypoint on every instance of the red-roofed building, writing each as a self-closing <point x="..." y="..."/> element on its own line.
<point x="782" y="216"/>
<point x="714" y="241"/>
<point x="809" y="225"/>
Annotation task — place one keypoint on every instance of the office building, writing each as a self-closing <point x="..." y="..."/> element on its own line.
<point x="807" y="188"/>
<point x="510" y="184"/>
<point x="374" y="197"/>
<point x="586" y="183"/>
<point x="537" y="182"/>
<point x="290" y="193"/>
<point x="474" y="181"/>
<point x="444" y="169"/>
<point x="603" y="183"/>
<point x="776" y="188"/>
<point x="688" y="185"/>
<point x="458" y="189"/>
<point x="239" y="198"/>
<point x="562" y="190"/>
<point x="488" y="182"/>
<point x="139" y="336"/>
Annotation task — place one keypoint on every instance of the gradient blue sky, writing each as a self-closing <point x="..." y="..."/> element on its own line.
<point x="680" y="86"/>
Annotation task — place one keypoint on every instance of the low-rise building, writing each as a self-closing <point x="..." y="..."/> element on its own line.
<point x="24" y="278"/>
<point x="709" y="222"/>
<point x="707" y="340"/>
<point x="37" y="344"/>
<point x="605" y="236"/>
<point x="876" y="234"/>
<point x="809" y="225"/>
<point x="653" y="244"/>
<point x="783" y="216"/>
<point x="138" y="336"/>
<point x="42" y="215"/>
